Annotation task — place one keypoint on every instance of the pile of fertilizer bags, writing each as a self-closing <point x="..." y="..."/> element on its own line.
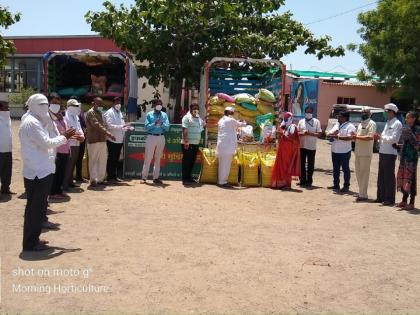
<point x="248" y="169"/>
<point x="258" y="111"/>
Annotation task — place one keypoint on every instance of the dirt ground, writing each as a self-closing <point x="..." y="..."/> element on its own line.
<point x="175" y="250"/>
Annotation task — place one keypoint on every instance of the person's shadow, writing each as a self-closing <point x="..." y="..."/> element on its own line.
<point x="52" y="252"/>
<point x="5" y="198"/>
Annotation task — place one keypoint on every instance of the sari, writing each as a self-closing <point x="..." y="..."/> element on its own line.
<point x="287" y="162"/>
<point x="407" y="171"/>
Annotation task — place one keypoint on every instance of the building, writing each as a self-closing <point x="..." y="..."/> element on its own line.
<point x="25" y="68"/>
<point x="323" y="90"/>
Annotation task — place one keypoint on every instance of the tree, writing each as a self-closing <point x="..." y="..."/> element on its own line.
<point x="6" y="46"/>
<point x="178" y="37"/>
<point x="392" y="47"/>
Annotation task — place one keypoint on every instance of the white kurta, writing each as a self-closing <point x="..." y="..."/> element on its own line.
<point x="227" y="143"/>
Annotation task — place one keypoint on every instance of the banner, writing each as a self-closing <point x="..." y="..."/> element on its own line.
<point x="304" y="94"/>
<point x="171" y="161"/>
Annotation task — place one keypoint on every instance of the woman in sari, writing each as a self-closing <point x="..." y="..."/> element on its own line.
<point x="407" y="172"/>
<point x="287" y="162"/>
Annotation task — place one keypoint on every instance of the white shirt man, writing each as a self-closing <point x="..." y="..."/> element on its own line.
<point x="5" y="149"/>
<point x="116" y="125"/>
<point x="38" y="156"/>
<point x="227" y="143"/>
<point x="387" y="156"/>
<point x="341" y="134"/>
<point x="72" y="120"/>
<point x="309" y="130"/>
<point x="363" y="152"/>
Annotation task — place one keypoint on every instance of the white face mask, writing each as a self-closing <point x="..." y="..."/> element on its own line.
<point x="55" y="108"/>
<point x="158" y="108"/>
<point x="117" y="107"/>
<point x="195" y="112"/>
<point x="74" y="110"/>
<point x="308" y="116"/>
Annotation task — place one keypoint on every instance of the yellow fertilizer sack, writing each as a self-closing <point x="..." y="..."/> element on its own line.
<point x="249" y="173"/>
<point x="209" y="166"/>
<point x="216" y="110"/>
<point x="265" y="109"/>
<point x="234" y="171"/>
<point x="250" y="113"/>
<point x="267" y="162"/>
<point x="214" y="101"/>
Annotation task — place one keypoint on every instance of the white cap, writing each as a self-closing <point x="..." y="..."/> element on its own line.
<point x="392" y="107"/>
<point x="37" y="99"/>
<point x="230" y="108"/>
<point x="73" y="102"/>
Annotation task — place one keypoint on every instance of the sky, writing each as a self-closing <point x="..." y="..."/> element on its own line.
<point x="58" y="17"/>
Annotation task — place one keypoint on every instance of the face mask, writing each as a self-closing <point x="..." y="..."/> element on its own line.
<point x="195" y="112"/>
<point x="158" y="108"/>
<point x="100" y="109"/>
<point x="55" y="108"/>
<point x="118" y="107"/>
<point x="308" y="116"/>
<point x="74" y="110"/>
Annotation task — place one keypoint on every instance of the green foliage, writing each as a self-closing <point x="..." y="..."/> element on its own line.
<point x="6" y="46"/>
<point x="178" y="37"/>
<point x="21" y="97"/>
<point x="392" y="46"/>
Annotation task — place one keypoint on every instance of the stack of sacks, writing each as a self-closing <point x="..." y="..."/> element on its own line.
<point x="265" y="101"/>
<point x="214" y="113"/>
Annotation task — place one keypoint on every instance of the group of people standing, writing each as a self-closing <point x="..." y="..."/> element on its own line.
<point x="53" y="138"/>
<point x="297" y="144"/>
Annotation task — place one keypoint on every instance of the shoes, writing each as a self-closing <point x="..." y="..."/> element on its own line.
<point x="73" y="185"/>
<point x="376" y="201"/>
<point x="142" y="181"/>
<point x="59" y="197"/>
<point x="345" y="189"/>
<point x="334" y="187"/>
<point x="361" y="199"/>
<point x="81" y="180"/>
<point x="302" y="184"/>
<point x="157" y="181"/>
<point x="101" y="184"/>
<point x="388" y="203"/>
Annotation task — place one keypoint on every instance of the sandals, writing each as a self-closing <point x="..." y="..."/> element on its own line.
<point x="408" y="207"/>
<point x="402" y="204"/>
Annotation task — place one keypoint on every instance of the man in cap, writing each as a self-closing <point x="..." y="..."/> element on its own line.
<point x="156" y="124"/>
<point x="38" y="157"/>
<point x="115" y="122"/>
<point x="387" y="156"/>
<point x="363" y="152"/>
<point x="97" y="135"/>
<point x="5" y="149"/>
<point x="341" y="135"/>
<point x="72" y="120"/>
<point x="227" y="142"/>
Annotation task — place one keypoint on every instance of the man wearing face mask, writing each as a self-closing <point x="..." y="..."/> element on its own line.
<point x="97" y="134"/>
<point x="72" y="119"/>
<point x="115" y="122"/>
<point x="156" y="124"/>
<point x="309" y="130"/>
<point x="38" y="156"/>
<point x="227" y="143"/>
<point x="62" y="153"/>
<point x="5" y="149"/>
<point x="341" y="134"/>
<point x="192" y="127"/>
<point x="387" y="156"/>
<point x="363" y="152"/>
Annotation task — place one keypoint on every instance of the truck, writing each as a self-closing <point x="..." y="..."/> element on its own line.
<point x="241" y="75"/>
<point x="87" y="74"/>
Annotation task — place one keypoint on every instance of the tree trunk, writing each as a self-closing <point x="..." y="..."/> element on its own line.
<point x="178" y="95"/>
